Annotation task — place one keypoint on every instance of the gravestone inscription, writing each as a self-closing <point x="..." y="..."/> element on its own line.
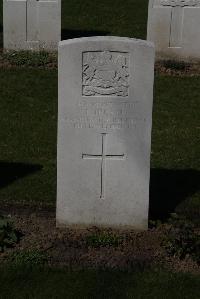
<point x="173" y="25"/>
<point x="31" y="24"/>
<point x="104" y="131"/>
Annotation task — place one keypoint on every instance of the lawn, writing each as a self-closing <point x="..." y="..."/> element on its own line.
<point x="28" y="130"/>
<point x="28" y="114"/>
<point x="21" y="283"/>
<point x="28" y="140"/>
<point x="106" y="17"/>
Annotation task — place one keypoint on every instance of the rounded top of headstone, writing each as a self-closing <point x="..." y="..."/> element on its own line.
<point x="107" y="39"/>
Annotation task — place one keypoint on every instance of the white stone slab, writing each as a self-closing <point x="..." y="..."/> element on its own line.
<point x="32" y="24"/>
<point x="174" y="27"/>
<point x="104" y="131"/>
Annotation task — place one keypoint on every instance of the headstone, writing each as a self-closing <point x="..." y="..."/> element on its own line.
<point x="173" y="25"/>
<point x="31" y="24"/>
<point x="104" y="131"/>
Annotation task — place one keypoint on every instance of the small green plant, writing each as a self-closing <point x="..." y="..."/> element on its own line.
<point x="103" y="240"/>
<point x="155" y="223"/>
<point x="182" y="239"/>
<point x="8" y="235"/>
<point x="28" y="258"/>
<point x="175" y="65"/>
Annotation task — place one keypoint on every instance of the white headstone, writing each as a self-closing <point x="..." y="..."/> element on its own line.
<point x="174" y="27"/>
<point x="104" y="131"/>
<point x="31" y="24"/>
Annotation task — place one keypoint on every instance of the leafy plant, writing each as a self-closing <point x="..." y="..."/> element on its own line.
<point x="8" y="235"/>
<point x="28" y="258"/>
<point x="182" y="239"/>
<point x="155" y="223"/>
<point x="103" y="239"/>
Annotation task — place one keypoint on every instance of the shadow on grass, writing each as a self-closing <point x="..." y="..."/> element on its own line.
<point x="67" y="34"/>
<point x="10" y="171"/>
<point x="169" y="188"/>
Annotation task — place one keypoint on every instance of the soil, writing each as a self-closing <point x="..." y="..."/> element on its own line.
<point x="181" y="69"/>
<point x="171" y="68"/>
<point x="16" y="61"/>
<point x="70" y="247"/>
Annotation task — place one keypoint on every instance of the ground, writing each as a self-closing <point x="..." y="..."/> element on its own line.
<point x="80" y="248"/>
<point x="96" y="263"/>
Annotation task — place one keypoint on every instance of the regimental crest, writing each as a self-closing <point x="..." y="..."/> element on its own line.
<point x="105" y="73"/>
<point x="181" y="3"/>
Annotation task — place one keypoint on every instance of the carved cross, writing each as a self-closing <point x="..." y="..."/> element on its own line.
<point x="103" y="157"/>
<point x="177" y="16"/>
<point x="32" y="14"/>
<point x="32" y="19"/>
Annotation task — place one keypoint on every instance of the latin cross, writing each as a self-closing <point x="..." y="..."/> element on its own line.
<point x="177" y="16"/>
<point x="103" y="157"/>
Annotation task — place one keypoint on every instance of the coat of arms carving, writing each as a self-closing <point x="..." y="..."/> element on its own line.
<point x="105" y="73"/>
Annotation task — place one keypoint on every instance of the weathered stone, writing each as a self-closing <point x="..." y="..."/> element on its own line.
<point x="104" y="131"/>
<point x="173" y="25"/>
<point x="31" y="24"/>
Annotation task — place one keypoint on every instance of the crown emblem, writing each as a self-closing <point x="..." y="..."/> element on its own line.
<point x="105" y="73"/>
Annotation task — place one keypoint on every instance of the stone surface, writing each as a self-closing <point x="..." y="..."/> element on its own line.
<point x="31" y="24"/>
<point x="173" y="25"/>
<point x="104" y="131"/>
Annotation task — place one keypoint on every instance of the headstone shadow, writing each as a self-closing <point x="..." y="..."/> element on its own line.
<point x="170" y="187"/>
<point x="68" y="34"/>
<point x="11" y="171"/>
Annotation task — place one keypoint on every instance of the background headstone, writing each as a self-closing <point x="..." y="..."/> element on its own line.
<point x="104" y="131"/>
<point x="31" y="24"/>
<point x="174" y="27"/>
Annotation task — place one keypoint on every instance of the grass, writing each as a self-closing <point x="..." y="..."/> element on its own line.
<point x="175" y="140"/>
<point x="106" y="17"/>
<point x="29" y="59"/>
<point x="103" y="239"/>
<point x="27" y="258"/>
<point x="175" y="155"/>
<point x="28" y="113"/>
<point x="40" y="283"/>
<point x="28" y="130"/>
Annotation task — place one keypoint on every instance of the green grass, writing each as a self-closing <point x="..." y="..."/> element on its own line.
<point x="103" y="239"/>
<point x="28" y="113"/>
<point x="105" y="17"/>
<point x="29" y="98"/>
<point x="176" y="128"/>
<point x="175" y="158"/>
<point x="30" y="59"/>
<point x="28" y="133"/>
<point x="54" y="283"/>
